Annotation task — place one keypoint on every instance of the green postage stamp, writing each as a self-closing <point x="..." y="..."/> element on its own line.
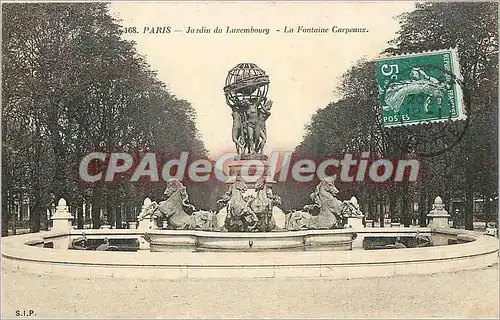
<point x="421" y="87"/>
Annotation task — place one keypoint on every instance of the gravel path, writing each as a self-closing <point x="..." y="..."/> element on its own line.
<point x="462" y="294"/>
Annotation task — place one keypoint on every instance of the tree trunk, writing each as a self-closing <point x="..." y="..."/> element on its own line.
<point x="96" y="210"/>
<point x="422" y="208"/>
<point x="118" y="214"/>
<point x="35" y="218"/>
<point x="487" y="209"/>
<point x="371" y="209"/>
<point x="469" y="207"/>
<point x="393" y="200"/>
<point x="5" y="217"/>
<point x="380" y="211"/>
<point x="128" y="209"/>
<point x="43" y="219"/>
<point x="87" y="215"/>
<point x="15" y="215"/>
<point x="79" y="215"/>
<point x="109" y="210"/>
<point x="405" y="207"/>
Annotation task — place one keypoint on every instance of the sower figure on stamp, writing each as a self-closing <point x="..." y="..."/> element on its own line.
<point x="418" y="82"/>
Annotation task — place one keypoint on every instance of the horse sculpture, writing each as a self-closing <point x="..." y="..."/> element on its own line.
<point x="351" y="209"/>
<point x="262" y="206"/>
<point x="327" y="212"/>
<point x="249" y="213"/>
<point x="239" y="217"/>
<point x="177" y="212"/>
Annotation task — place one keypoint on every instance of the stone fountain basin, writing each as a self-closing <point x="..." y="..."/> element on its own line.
<point x="26" y="253"/>
<point x="199" y="241"/>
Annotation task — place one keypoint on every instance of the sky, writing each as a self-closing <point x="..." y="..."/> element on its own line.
<point x="304" y="68"/>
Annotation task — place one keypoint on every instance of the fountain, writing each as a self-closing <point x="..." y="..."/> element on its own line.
<point x="250" y="217"/>
<point x="176" y="240"/>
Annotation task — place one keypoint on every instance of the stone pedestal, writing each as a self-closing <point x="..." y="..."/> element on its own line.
<point x="252" y="165"/>
<point x="62" y="220"/>
<point x="144" y="224"/>
<point x="203" y="241"/>
<point x="250" y="168"/>
<point x="133" y="224"/>
<point x="438" y="217"/>
<point x="356" y="225"/>
<point x="279" y="217"/>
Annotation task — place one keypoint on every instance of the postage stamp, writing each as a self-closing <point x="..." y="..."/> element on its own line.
<point x="421" y="87"/>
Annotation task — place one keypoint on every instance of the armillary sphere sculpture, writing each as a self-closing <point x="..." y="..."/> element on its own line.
<point x="246" y="93"/>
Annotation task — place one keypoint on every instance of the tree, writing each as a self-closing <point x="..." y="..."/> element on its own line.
<point x="71" y="86"/>
<point x="353" y="123"/>
<point x="473" y="29"/>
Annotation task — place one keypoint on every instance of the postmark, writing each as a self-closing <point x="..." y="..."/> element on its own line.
<point x="420" y="88"/>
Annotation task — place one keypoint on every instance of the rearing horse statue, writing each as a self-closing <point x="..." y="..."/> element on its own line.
<point x="262" y="206"/>
<point x="178" y="212"/>
<point x="239" y="216"/>
<point x="326" y="212"/>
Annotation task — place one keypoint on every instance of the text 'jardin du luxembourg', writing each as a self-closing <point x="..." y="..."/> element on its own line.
<point x="299" y="29"/>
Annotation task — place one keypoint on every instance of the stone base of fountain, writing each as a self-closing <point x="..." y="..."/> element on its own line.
<point x="249" y="168"/>
<point x="200" y="241"/>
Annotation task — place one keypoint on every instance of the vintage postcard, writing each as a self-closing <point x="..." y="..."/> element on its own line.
<point x="249" y="159"/>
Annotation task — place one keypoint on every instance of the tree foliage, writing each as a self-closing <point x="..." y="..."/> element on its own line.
<point x="352" y="124"/>
<point x="71" y="85"/>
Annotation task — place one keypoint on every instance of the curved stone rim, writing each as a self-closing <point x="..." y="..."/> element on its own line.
<point x="16" y="254"/>
<point x="273" y="234"/>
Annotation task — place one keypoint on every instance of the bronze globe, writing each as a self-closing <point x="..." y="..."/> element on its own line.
<point x="246" y="81"/>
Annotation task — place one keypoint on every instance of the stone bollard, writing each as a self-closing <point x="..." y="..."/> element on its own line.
<point x="133" y="224"/>
<point x="106" y="225"/>
<point x="357" y="226"/>
<point x="355" y="221"/>
<point x="143" y="225"/>
<point x="438" y="217"/>
<point x="62" y="220"/>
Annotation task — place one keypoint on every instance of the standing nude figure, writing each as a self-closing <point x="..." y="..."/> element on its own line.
<point x="261" y="131"/>
<point x="250" y="115"/>
<point x="237" y="132"/>
<point x="249" y="132"/>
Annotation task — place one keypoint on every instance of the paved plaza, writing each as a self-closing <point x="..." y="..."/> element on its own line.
<point x="464" y="294"/>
